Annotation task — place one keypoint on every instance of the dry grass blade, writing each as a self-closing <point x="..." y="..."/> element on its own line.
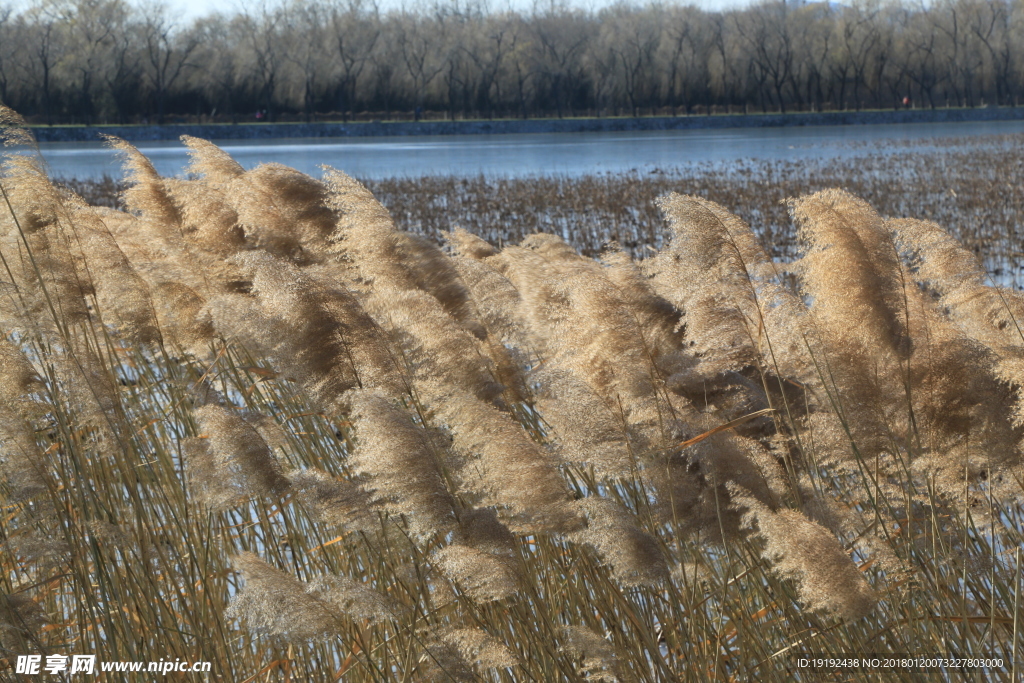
<point x="731" y="424"/>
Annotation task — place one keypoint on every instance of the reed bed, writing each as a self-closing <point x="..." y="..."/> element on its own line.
<point x="970" y="186"/>
<point x="247" y="420"/>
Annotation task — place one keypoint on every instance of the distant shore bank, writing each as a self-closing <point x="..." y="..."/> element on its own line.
<point x="252" y="131"/>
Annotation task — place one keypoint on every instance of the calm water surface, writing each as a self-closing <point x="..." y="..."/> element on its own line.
<point x="531" y="154"/>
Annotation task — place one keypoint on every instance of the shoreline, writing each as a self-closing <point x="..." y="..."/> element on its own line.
<point x="257" y="131"/>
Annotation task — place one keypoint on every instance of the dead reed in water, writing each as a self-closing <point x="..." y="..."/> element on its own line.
<point x="970" y="186"/>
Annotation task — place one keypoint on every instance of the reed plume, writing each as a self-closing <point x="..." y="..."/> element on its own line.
<point x="319" y="333"/>
<point x="388" y="258"/>
<point x="282" y="211"/>
<point x="239" y="454"/>
<point x="597" y="660"/>
<point x="507" y="467"/>
<point x="182" y="316"/>
<point x="21" y="619"/>
<point x="477" y="646"/>
<point x="991" y="316"/>
<point x="274" y="602"/>
<point x="584" y="428"/>
<point x="20" y="461"/>
<point x="403" y="464"/>
<point x="340" y="503"/>
<point x="460" y="654"/>
<point x="484" y="576"/>
<point x="119" y="290"/>
<point x="46" y="286"/>
<point x="802" y="549"/>
<point x="148" y="196"/>
<point x="211" y="162"/>
<point x="852" y="272"/>
<point x="710" y="271"/>
<point x="209" y="220"/>
<point x="495" y="297"/>
<point x="633" y="555"/>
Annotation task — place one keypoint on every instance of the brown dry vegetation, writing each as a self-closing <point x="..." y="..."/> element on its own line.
<point x="248" y="421"/>
<point x="972" y="187"/>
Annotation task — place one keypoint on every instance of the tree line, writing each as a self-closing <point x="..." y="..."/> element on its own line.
<point x="96" y="61"/>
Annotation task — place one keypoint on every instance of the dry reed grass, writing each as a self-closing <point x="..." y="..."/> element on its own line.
<point x="969" y="186"/>
<point x="248" y="421"/>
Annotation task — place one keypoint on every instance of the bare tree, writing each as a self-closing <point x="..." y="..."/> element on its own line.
<point x="220" y="79"/>
<point x="635" y="38"/>
<point x="688" y="45"/>
<point x="765" y="31"/>
<point x="420" y="43"/>
<point x="520" y="52"/>
<point x="91" y="26"/>
<point x="859" y="46"/>
<point x="123" y="75"/>
<point x="262" y="30"/>
<point x="991" y="25"/>
<point x="918" y="58"/>
<point x="602" y="57"/>
<point x="495" y="39"/>
<point x="962" y="63"/>
<point x="385" y="58"/>
<point x="306" y="31"/>
<point x="457" y="31"/>
<point x="813" y="52"/>
<point x="168" y="52"/>
<point x="8" y="47"/>
<point x="83" y="59"/>
<point x="355" y="30"/>
<point x="560" y="39"/>
<point x="46" y="47"/>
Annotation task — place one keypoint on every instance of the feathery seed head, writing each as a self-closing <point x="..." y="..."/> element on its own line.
<point x="482" y="575"/>
<point x="276" y="603"/>
<point x="852" y="271"/>
<point x="632" y="554"/>
<point x="239" y="453"/>
<point x="338" y="502"/>
<point x="805" y="551"/>
<point x="210" y="161"/>
<point x="402" y="465"/>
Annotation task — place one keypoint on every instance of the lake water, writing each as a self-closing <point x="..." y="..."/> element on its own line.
<point x="520" y="155"/>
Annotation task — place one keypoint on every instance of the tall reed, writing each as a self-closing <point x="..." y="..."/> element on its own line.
<point x="246" y="420"/>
